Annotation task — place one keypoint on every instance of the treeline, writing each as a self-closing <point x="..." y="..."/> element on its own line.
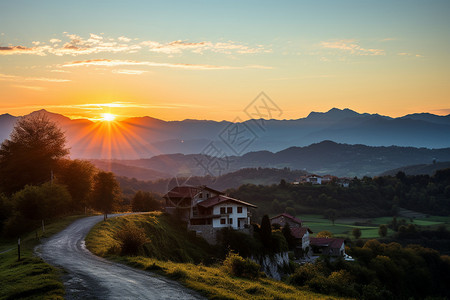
<point x="380" y="271"/>
<point x="39" y="182"/>
<point x="366" y="197"/>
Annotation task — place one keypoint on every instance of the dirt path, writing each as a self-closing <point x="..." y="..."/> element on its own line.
<point x="90" y="277"/>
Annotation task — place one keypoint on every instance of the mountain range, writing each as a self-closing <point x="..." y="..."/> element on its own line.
<point x="145" y="137"/>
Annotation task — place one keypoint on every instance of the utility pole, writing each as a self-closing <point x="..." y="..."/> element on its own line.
<point x="18" y="249"/>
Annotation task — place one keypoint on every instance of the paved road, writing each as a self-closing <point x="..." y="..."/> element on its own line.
<point x="90" y="277"/>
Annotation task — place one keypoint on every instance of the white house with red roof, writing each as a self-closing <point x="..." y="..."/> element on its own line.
<point x="207" y="210"/>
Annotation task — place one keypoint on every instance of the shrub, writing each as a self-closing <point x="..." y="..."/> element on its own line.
<point x="241" y="267"/>
<point x="131" y="239"/>
<point x="178" y="274"/>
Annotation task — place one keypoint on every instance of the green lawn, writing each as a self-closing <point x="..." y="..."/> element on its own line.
<point x="31" y="277"/>
<point x="343" y="227"/>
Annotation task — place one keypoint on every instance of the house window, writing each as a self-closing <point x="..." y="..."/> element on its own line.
<point x="200" y="195"/>
<point x="230" y="221"/>
<point x="222" y="210"/>
<point x="229" y="210"/>
<point x="223" y="221"/>
<point x="239" y="209"/>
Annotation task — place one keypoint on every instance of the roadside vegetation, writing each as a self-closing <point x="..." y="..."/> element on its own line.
<point x="31" y="277"/>
<point x="172" y="252"/>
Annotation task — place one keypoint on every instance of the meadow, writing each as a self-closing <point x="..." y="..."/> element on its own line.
<point x="369" y="226"/>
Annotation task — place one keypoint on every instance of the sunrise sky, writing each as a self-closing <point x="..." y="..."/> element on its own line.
<point x="175" y="60"/>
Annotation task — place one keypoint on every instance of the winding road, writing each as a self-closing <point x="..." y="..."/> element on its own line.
<point x="88" y="276"/>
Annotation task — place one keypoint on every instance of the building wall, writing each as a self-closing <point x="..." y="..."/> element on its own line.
<point x="230" y="219"/>
<point x="305" y="240"/>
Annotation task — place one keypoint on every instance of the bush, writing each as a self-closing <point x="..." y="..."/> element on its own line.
<point x="241" y="267"/>
<point x="131" y="239"/>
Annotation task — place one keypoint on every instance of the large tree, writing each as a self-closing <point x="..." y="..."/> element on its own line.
<point x="106" y="192"/>
<point x="77" y="175"/>
<point x="31" y="153"/>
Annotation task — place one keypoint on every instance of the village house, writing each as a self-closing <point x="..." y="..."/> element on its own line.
<point x="206" y="210"/>
<point x="285" y="218"/>
<point x="301" y="235"/>
<point x="328" y="246"/>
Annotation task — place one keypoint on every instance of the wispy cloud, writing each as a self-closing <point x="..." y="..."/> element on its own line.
<point x="6" y="77"/>
<point x="129" y="72"/>
<point x="119" y="63"/>
<point x="74" y="45"/>
<point x="29" y="87"/>
<point x="409" y="54"/>
<point x="351" y="47"/>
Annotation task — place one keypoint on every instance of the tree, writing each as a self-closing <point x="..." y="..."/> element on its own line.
<point x="331" y="214"/>
<point x="382" y="230"/>
<point x="105" y="193"/>
<point x="144" y="201"/>
<point x="356" y="232"/>
<point x="324" y="233"/>
<point x="77" y="176"/>
<point x="266" y="232"/>
<point x="31" y="154"/>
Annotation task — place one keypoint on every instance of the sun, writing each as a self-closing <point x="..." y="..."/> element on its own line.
<point x="108" y="117"/>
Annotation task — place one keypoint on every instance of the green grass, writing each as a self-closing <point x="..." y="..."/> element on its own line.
<point x="31" y="277"/>
<point x="343" y="227"/>
<point x="212" y="281"/>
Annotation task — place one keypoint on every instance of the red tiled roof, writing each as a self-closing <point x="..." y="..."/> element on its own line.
<point x="221" y="199"/>
<point x="182" y="192"/>
<point x="327" y="242"/>
<point x="188" y="192"/>
<point x="299" y="232"/>
<point x="288" y="216"/>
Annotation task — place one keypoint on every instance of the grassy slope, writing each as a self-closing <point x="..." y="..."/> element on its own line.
<point x="31" y="277"/>
<point x="211" y="281"/>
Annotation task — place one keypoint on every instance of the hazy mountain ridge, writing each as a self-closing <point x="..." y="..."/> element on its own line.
<point x="327" y="157"/>
<point x="144" y="137"/>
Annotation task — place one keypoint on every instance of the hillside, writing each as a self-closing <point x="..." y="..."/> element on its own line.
<point x="263" y="176"/>
<point x="326" y="157"/>
<point x="144" y="137"/>
<point x="421" y="169"/>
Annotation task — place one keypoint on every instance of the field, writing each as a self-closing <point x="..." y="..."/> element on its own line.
<point x="369" y="226"/>
<point x="31" y="277"/>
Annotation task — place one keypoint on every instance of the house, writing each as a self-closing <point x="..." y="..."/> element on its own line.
<point x="328" y="246"/>
<point x="207" y="210"/>
<point x="301" y="235"/>
<point x="344" y="182"/>
<point x="328" y="179"/>
<point x="285" y="218"/>
<point x="314" y="179"/>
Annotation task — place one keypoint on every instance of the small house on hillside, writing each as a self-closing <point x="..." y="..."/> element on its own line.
<point x="301" y="235"/>
<point x="207" y="210"/>
<point x="314" y="179"/>
<point x="284" y="219"/>
<point x="328" y="246"/>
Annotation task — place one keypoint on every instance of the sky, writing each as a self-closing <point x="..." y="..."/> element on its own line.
<point x="176" y="60"/>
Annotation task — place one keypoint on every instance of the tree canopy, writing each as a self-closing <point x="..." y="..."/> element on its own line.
<point x="31" y="153"/>
<point x="105" y="192"/>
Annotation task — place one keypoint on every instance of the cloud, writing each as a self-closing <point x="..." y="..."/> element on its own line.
<point x="409" y="54"/>
<point x="119" y="63"/>
<point x="351" y="47"/>
<point x="34" y="88"/>
<point x="129" y="72"/>
<point x="179" y="46"/>
<point x="12" y="50"/>
<point x="76" y="45"/>
<point x="6" y="77"/>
